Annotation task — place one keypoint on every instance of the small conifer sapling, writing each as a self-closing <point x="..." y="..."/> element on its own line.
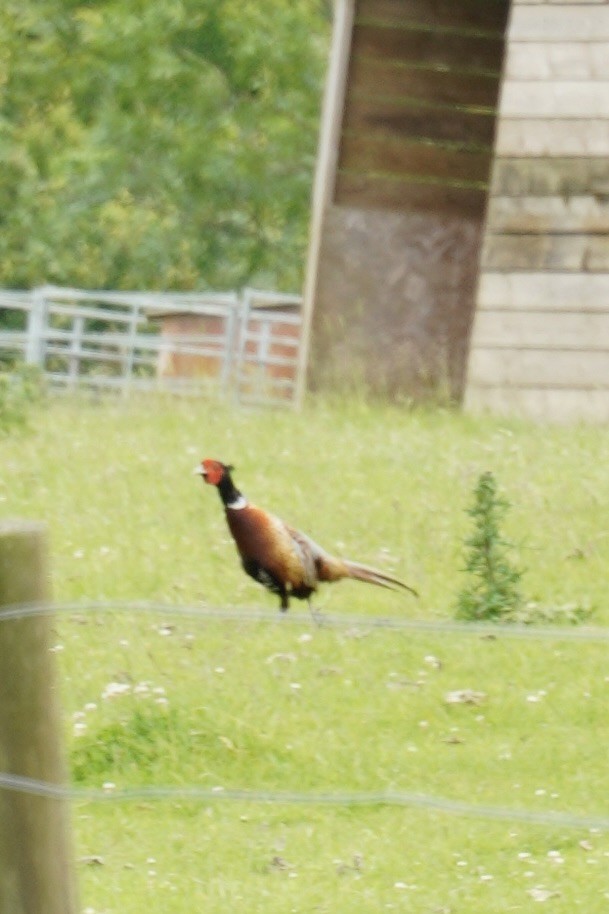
<point x="493" y="590"/>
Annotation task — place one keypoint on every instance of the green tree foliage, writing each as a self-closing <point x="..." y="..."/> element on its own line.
<point x="493" y="592"/>
<point x="164" y="144"/>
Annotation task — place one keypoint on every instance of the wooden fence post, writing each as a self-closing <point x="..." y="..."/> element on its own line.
<point x="36" y="874"/>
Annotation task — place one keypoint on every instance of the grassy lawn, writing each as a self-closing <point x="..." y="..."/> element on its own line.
<point x="162" y="699"/>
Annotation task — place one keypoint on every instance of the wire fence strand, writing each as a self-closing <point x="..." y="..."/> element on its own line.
<point x="210" y="795"/>
<point x="207" y="795"/>
<point x="321" y="621"/>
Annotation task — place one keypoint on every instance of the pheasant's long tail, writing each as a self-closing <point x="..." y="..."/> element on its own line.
<point x="372" y="576"/>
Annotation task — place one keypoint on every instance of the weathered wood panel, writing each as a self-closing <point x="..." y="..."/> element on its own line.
<point x="544" y="367"/>
<point x="547" y="177"/>
<point x="539" y="404"/>
<point x="589" y="253"/>
<point x="557" y="215"/>
<point x="555" y="99"/>
<point x="558" y="22"/>
<point x="372" y="76"/>
<point x="428" y="47"/>
<point x="396" y="266"/>
<point x="401" y="117"/>
<point x="559" y="2"/>
<point x="549" y="291"/>
<point x="542" y="330"/>
<point x="409" y="117"/>
<point x="369" y="152"/>
<point x="552" y="138"/>
<point x="390" y="311"/>
<point x="557" y="60"/>
<point x="484" y="15"/>
<point x="540" y="337"/>
<point x="380" y="192"/>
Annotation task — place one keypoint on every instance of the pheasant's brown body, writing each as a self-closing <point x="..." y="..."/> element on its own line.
<point x="276" y="555"/>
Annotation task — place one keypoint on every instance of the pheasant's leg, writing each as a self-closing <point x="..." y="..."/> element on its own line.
<point x="316" y="616"/>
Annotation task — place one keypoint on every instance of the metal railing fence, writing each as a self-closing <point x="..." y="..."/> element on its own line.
<point x="241" y="345"/>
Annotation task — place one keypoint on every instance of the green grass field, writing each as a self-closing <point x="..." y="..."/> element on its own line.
<point x="172" y="700"/>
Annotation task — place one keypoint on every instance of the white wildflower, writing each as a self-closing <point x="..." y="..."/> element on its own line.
<point x="113" y="689"/>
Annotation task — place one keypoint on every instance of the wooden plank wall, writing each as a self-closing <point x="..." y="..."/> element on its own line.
<point x="540" y="340"/>
<point x="402" y="220"/>
<point x="419" y="120"/>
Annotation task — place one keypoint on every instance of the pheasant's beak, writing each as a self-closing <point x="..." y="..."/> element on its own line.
<point x="199" y="471"/>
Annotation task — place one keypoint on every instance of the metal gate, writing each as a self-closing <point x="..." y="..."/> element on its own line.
<point x="240" y="345"/>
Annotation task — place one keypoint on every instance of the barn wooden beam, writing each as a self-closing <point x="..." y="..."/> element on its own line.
<point x="327" y="159"/>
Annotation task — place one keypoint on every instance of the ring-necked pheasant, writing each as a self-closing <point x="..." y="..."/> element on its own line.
<point x="276" y="555"/>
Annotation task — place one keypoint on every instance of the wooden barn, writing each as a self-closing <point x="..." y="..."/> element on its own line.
<point x="459" y="237"/>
